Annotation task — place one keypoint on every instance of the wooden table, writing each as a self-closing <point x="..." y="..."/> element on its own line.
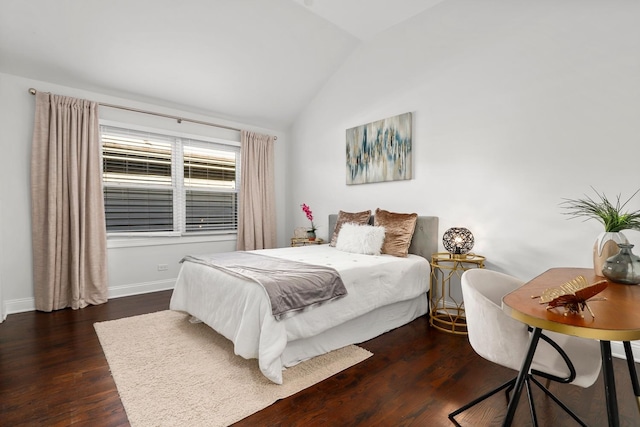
<point x="616" y="319"/>
<point x="304" y="241"/>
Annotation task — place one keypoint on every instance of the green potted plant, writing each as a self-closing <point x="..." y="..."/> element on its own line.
<point x="611" y="216"/>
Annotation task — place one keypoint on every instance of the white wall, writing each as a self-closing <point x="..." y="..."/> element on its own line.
<point x="132" y="265"/>
<point x="516" y="105"/>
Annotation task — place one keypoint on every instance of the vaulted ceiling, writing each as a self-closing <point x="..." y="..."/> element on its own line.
<point x="255" y="61"/>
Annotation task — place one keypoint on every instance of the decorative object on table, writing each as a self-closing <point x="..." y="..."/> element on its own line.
<point x="300" y="233"/>
<point x="605" y="246"/>
<point x="611" y="216"/>
<point x="458" y="241"/>
<point x="311" y="232"/>
<point x="623" y="267"/>
<point x="379" y="151"/>
<point x="573" y="295"/>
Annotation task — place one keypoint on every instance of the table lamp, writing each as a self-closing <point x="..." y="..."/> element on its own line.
<point x="458" y="241"/>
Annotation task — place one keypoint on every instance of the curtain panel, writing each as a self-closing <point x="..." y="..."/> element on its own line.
<point x="67" y="207"/>
<point x="257" y="212"/>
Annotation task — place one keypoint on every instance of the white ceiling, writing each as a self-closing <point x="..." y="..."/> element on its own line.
<point x="366" y="18"/>
<point x="254" y="61"/>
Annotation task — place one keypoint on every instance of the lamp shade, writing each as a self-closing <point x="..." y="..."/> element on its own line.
<point x="458" y="240"/>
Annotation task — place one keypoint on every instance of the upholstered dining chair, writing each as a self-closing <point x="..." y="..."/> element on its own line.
<point x="503" y="340"/>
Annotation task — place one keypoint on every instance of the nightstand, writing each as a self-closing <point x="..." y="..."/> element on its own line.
<point x="446" y="309"/>
<point x="303" y="241"/>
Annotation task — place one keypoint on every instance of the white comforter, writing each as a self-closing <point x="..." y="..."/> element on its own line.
<point x="240" y="310"/>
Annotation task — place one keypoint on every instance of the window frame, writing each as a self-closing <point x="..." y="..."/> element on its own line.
<point x="179" y="234"/>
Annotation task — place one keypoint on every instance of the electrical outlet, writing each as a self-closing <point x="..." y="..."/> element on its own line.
<point x="163" y="267"/>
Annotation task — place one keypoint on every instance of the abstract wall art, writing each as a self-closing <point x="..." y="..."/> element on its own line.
<point x="380" y="151"/>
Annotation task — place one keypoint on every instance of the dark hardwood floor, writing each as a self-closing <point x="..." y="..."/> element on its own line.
<point x="53" y="373"/>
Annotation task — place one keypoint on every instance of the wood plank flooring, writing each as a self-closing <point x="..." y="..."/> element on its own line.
<point x="53" y="373"/>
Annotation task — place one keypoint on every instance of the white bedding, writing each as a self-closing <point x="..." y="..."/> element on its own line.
<point x="240" y="310"/>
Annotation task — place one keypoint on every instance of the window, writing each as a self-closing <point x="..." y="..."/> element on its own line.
<point x="155" y="183"/>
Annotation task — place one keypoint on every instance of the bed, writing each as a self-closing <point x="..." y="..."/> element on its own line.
<point x="384" y="292"/>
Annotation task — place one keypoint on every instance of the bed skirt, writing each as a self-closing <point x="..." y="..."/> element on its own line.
<point x="356" y="331"/>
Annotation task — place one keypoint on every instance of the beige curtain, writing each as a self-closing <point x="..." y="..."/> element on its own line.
<point x="67" y="208"/>
<point x="257" y="212"/>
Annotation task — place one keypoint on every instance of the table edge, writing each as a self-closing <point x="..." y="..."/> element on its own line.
<point x="578" y="331"/>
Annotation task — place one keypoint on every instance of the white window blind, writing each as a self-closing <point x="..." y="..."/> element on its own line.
<point x="162" y="183"/>
<point x="210" y="187"/>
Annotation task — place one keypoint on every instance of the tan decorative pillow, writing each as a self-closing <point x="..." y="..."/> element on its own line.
<point x="361" y="218"/>
<point x="399" y="228"/>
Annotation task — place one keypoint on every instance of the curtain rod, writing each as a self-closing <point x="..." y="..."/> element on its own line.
<point x="33" y="91"/>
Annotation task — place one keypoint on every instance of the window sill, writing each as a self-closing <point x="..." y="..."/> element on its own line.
<point x="140" y="241"/>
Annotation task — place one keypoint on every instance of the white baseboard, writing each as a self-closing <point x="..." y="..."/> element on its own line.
<point x="28" y="304"/>
<point x="19" y="305"/>
<point x="617" y="350"/>
<point x="141" y="288"/>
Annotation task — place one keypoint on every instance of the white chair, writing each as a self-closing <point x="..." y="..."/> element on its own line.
<point x="503" y="340"/>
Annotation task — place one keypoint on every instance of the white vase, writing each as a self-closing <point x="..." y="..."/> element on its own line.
<point x="606" y="246"/>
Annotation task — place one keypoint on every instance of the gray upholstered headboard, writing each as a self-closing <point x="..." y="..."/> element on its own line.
<point x="425" y="237"/>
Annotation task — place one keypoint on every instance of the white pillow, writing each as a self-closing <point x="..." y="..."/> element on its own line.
<point x="360" y="239"/>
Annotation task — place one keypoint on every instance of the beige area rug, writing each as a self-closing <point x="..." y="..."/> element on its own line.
<point x="171" y="372"/>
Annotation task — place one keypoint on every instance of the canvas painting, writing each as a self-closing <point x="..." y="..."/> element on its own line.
<point x="380" y="151"/>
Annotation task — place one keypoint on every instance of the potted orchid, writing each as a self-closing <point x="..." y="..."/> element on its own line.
<point x="311" y="233"/>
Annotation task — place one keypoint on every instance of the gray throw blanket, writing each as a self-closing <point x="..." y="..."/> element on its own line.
<point x="292" y="286"/>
